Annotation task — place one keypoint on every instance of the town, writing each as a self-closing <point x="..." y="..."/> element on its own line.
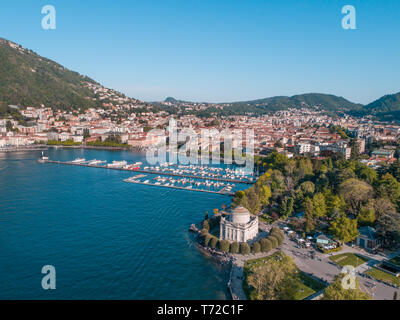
<point x="291" y="132"/>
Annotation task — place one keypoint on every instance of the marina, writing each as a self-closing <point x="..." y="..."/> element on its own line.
<point x="181" y="171"/>
<point x="224" y="191"/>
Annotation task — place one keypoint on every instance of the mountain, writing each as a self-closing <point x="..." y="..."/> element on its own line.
<point x="385" y="108"/>
<point x="171" y="100"/>
<point x="326" y="102"/>
<point x="27" y="79"/>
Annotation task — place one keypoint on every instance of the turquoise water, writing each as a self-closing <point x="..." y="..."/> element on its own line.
<point x="107" y="239"/>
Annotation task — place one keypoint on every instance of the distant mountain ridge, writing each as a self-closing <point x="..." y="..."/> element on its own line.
<point x="386" y="108"/>
<point x="327" y="102"/>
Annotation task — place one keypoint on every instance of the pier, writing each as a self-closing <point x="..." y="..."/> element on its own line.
<point x="150" y="172"/>
<point x="181" y="188"/>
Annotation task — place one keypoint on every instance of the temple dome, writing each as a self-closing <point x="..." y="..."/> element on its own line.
<point x="240" y="215"/>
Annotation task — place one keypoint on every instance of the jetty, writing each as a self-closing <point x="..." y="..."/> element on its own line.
<point x="84" y="164"/>
<point x="221" y="192"/>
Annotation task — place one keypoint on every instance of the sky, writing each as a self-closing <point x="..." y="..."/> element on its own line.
<point x="218" y="50"/>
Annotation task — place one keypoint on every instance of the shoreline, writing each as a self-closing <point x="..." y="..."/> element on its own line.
<point x="225" y="260"/>
<point x="25" y="148"/>
<point x="47" y="147"/>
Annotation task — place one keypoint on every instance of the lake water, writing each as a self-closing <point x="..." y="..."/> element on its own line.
<point x="107" y="239"/>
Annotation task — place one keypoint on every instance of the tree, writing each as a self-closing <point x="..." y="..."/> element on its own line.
<point x="388" y="226"/>
<point x="244" y="248"/>
<point x="308" y="188"/>
<point x="9" y="126"/>
<point x="336" y="291"/>
<point x="355" y="149"/>
<point x="366" y="173"/>
<point x="240" y="199"/>
<point x="234" y="247"/>
<point x="256" y="248"/>
<point x="276" y="183"/>
<point x="266" y="245"/>
<point x="274" y="242"/>
<point x="86" y="133"/>
<point x="366" y="217"/>
<point x="214" y="243"/>
<point x="382" y="206"/>
<point x="389" y="188"/>
<point x="224" y="245"/>
<point x="356" y="193"/>
<point x="207" y="239"/>
<point x="275" y="280"/>
<point x="286" y="208"/>
<point x="334" y="204"/>
<point x="206" y="225"/>
<point x="344" y="229"/>
<point x="265" y="194"/>
<point x="394" y="169"/>
<point x="309" y="215"/>
<point x="278" y="238"/>
<point x="253" y="200"/>
<point x="278" y="144"/>
<point x="319" y="205"/>
<point x="305" y="168"/>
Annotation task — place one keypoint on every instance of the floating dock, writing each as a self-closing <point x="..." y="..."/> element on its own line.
<point x="150" y="172"/>
<point x="181" y="188"/>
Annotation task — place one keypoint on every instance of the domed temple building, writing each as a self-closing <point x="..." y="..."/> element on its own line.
<point x="240" y="226"/>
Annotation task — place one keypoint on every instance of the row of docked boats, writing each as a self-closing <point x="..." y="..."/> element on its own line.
<point x="201" y="171"/>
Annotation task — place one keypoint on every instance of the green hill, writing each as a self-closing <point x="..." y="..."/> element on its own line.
<point x="27" y="79"/>
<point x="385" y="108"/>
<point x="326" y="102"/>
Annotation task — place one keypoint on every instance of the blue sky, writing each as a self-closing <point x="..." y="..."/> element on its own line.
<point x="217" y="50"/>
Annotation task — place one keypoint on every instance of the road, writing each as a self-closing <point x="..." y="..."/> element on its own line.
<point x="323" y="268"/>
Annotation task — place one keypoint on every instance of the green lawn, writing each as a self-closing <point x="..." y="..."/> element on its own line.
<point x="395" y="260"/>
<point x="384" y="276"/>
<point x="308" y="287"/>
<point x="348" y="259"/>
<point x="308" y="284"/>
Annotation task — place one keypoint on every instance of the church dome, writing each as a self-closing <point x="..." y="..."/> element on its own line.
<point x="240" y="215"/>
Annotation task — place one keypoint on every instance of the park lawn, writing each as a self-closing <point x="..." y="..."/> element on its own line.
<point x="348" y="259"/>
<point x="308" y="284"/>
<point x="395" y="260"/>
<point x="383" y="276"/>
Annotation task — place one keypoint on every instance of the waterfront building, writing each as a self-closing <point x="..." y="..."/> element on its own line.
<point x="240" y="226"/>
